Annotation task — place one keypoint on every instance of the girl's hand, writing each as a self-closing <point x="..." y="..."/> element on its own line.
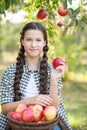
<point x="43" y="100"/>
<point x="58" y="72"/>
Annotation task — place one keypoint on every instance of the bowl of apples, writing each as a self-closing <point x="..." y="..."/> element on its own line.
<point x="33" y="117"/>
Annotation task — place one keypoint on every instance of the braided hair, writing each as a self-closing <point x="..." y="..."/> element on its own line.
<point x="21" y="61"/>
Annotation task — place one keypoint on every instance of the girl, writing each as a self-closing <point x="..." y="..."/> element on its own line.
<point x="32" y="80"/>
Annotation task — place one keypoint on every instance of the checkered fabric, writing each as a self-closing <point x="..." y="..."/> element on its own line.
<point x="7" y="90"/>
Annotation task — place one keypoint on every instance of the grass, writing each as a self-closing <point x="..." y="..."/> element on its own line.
<point x="75" y="101"/>
<point x="74" y="94"/>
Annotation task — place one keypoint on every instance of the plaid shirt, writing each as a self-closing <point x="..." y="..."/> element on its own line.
<point x="7" y="90"/>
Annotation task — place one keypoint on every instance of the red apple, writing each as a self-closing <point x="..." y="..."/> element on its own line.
<point x="37" y="115"/>
<point x="60" y="23"/>
<point x="28" y="115"/>
<point x="62" y="11"/>
<point x="31" y="106"/>
<point x="20" y="108"/>
<point x="49" y="113"/>
<point x="58" y="61"/>
<point x="38" y="107"/>
<point x="15" y="116"/>
<point x="42" y="119"/>
<point x="41" y="14"/>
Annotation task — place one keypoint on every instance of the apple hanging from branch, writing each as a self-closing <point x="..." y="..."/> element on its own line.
<point x="41" y="14"/>
<point x="62" y="11"/>
<point x="60" y="23"/>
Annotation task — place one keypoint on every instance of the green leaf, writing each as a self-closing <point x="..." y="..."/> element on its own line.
<point x="76" y="11"/>
<point x="71" y="12"/>
<point x="76" y="22"/>
<point x="70" y="1"/>
<point x="2" y="7"/>
<point x="11" y="2"/>
<point x="64" y="3"/>
<point x="38" y="3"/>
<point x="7" y="4"/>
<point x="84" y="18"/>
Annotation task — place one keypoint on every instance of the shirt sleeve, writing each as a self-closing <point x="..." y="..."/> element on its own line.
<point x="61" y="109"/>
<point x="6" y="87"/>
<point x="59" y="86"/>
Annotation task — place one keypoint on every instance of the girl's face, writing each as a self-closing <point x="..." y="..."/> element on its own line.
<point x="33" y="43"/>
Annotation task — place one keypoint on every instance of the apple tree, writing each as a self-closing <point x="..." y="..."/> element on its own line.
<point x="64" y="20"/>
<point x="75" y="11"/>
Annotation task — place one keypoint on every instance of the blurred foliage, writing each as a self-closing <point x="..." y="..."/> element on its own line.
<point x="12" y="5"/>
<point x="9" y="36"/>
<point x="74" y="96"/>
<point x="68" y="41"/>
<point x="68" y="46"/>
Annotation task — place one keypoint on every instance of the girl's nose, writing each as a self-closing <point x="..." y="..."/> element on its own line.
<point x="33" y="43"/>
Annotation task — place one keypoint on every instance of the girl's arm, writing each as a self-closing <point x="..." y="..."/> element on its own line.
<point x="41" y="99"/>
<point x="56" y="74"/>
<point x="54" y="93"/>
<point x="6" y="107"/>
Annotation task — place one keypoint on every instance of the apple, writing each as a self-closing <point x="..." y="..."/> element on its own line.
<point x="62" y="11"/>
<point x="42" y="119"/>
<point x="15" y="116"/>
<point x="49" y="113"/>
<point x="38" y="107"/>
<point x="58" y="61"/>
<point x="37" y="115"/>
<point x="60" y="23"/>
<point x="31" y="106"/>
<point x="27" y="115"/>
<point x="41" y="14"/>
<point x="20" y="108"/>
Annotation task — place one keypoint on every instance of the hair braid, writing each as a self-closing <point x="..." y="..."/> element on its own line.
<point x="21" y="61"/>
<point x="18" y="73"/>
<point x="43" y="71"/>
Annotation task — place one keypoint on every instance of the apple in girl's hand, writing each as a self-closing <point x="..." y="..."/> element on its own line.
<point x="20" y="108"/>
<point x="15" y="116"/>
<point x="58" y="61"/>
<point x="62" y="11"/>
<point x="49" y="113"/>
<point x="41" y="14"/>
<point x="27" y="115"/>
<point x="37" y="115"/>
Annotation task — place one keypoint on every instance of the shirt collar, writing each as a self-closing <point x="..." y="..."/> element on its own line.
<point x="27" y="69"/>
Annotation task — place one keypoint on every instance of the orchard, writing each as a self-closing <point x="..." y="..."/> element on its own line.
<point x="66" y="25"/>
<point x="65" y="22"/>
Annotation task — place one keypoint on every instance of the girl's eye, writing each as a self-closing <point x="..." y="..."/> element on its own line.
<point x="38" y="40"/>
<point x="28" y="39"/>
